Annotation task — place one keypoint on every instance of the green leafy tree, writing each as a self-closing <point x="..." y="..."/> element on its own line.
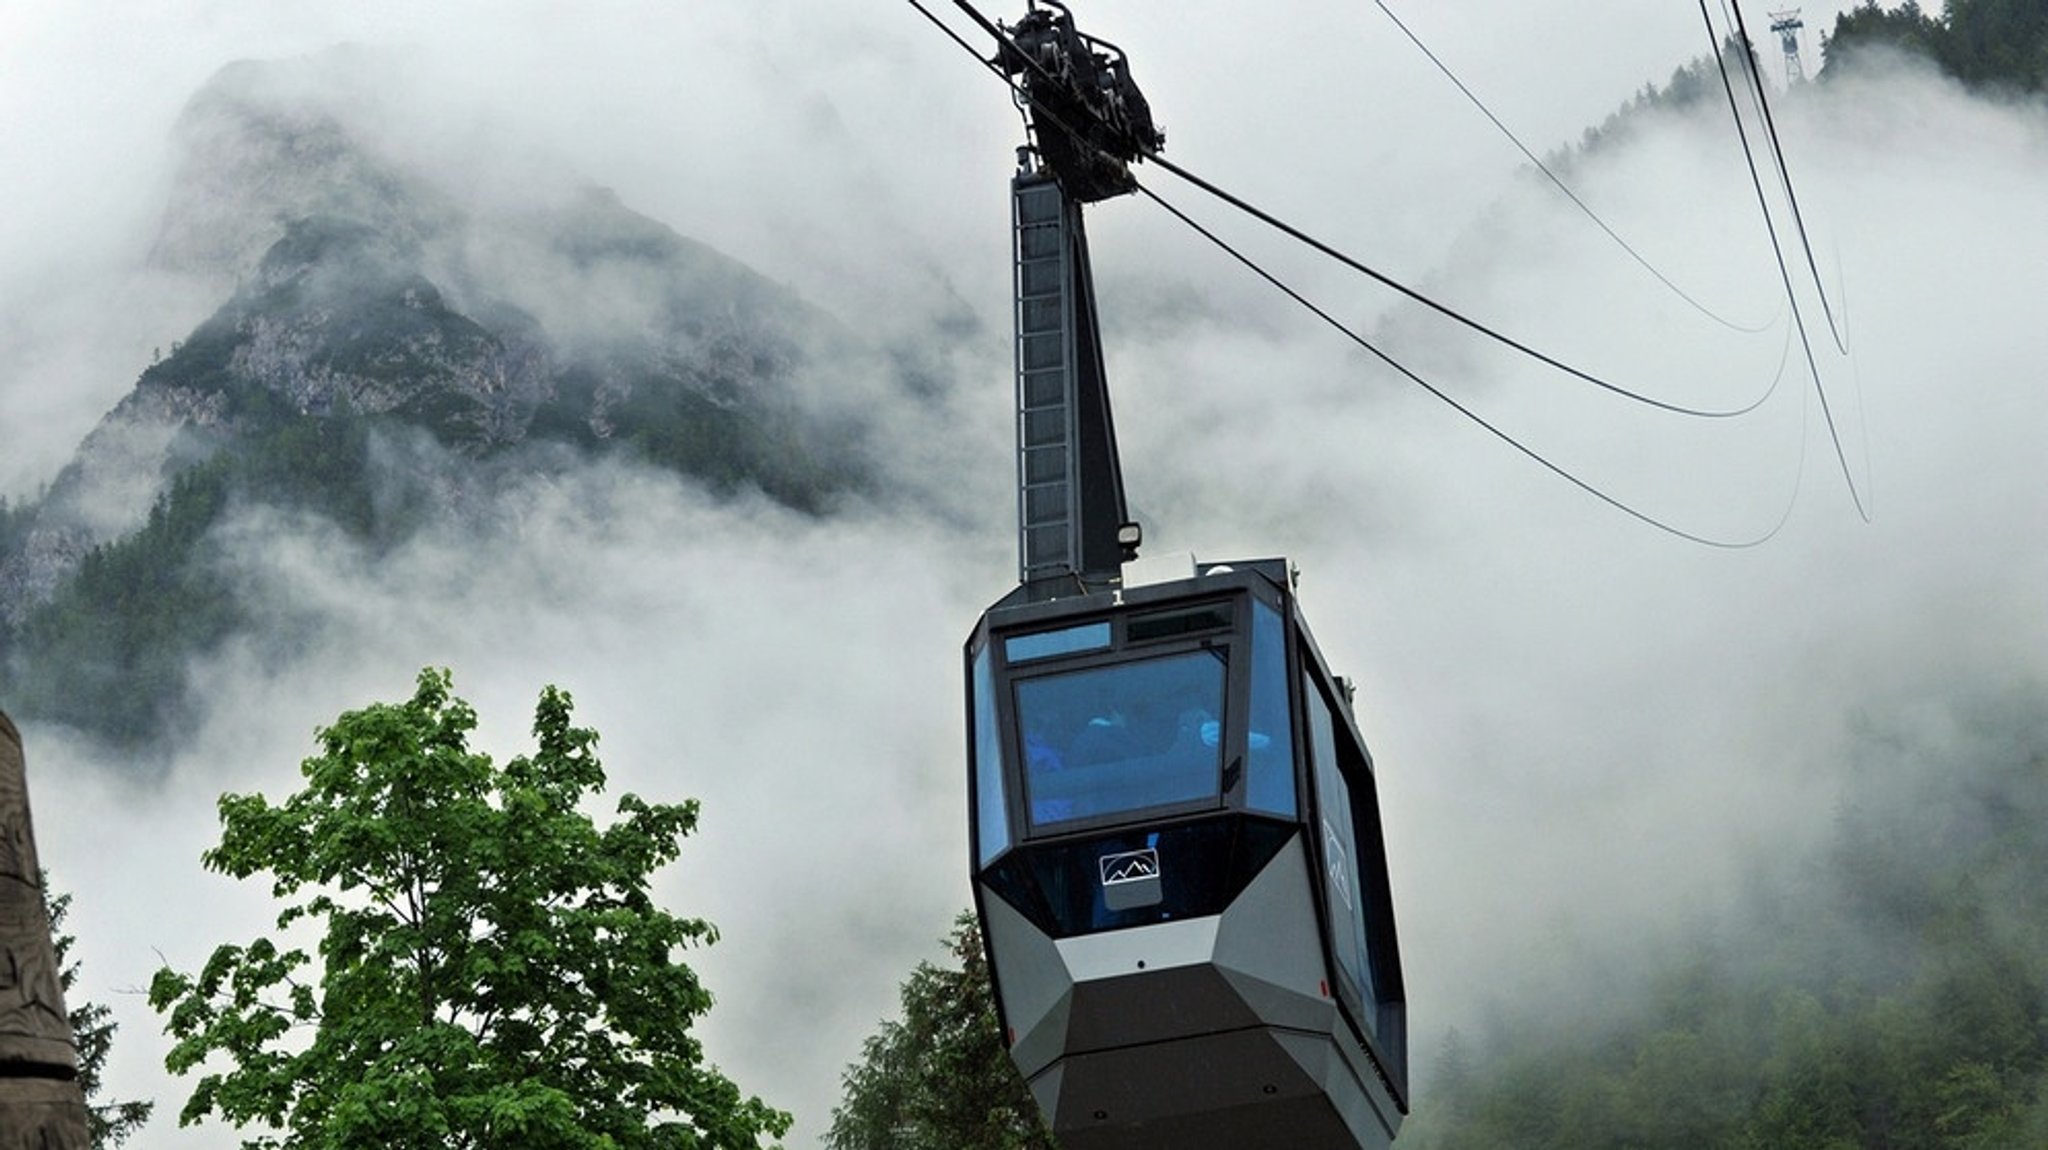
<point x="492" y="971"/>
<point x="92" y="1028"/>
<point x="939" y="1078"/>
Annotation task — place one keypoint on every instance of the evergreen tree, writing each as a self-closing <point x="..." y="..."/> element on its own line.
<point x="92" y="1028"/>
<point x="1906" y="30"/>
<point x="1897" y="1001"/>
<point x="1990" y="44"/>
<point x="939" y="1078"/>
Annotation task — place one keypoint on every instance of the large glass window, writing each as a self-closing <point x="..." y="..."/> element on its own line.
<point x="1121" y="738"/>
<point x="1345" y="896"/>
<point x="1269" y="783"/>
<point x="992" y="824"/>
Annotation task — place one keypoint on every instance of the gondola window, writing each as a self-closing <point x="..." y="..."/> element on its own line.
<point x="1123" y="738"/>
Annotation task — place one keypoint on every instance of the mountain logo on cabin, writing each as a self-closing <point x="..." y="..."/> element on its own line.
<point x="1337" y="864"/>
<point x="1130" y="866"/>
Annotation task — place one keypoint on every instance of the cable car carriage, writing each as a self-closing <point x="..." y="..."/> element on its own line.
<point x="1180" y="870"/>
<point x="1176" y="845"/>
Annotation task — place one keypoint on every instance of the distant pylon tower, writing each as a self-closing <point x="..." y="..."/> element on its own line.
<point x="1787" y="26"/>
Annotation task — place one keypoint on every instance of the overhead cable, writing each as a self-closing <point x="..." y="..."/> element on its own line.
<point x="1412" y="376"/>
<point x="1784" y="270"/>
<point x="1553" y="467"/>
<point x="1785" y="174"/>
<point x="1354" y="264"/>
<point x="1446" y="310"/>
<point x="1556" y="180"/>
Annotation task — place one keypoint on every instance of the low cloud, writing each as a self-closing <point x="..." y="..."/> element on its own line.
<point x="1588" y="733"/>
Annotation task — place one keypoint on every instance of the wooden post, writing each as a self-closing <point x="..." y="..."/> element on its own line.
<point x="41" y="1107"/>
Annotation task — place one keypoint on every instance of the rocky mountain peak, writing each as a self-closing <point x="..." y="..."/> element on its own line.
<point x="266" y="142"/>
<point x="388" y="346"/>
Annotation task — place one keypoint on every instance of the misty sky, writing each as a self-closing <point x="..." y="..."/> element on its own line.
<point x="1586" y="731"/>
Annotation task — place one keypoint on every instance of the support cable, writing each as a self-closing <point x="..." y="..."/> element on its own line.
<point x="1332" y="321"/>
<point x="1554" y="468"/>
<point x="1755" y="89"/>
<point x="1561" y="186"/>
<point x="1784" y="270"/>
<point x="1785" y="174"/>
<point x="1333" y="253"/>
<point x="1446" y="310"/>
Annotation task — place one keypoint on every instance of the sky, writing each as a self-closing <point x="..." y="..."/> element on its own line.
<point x="1587" y="732"/>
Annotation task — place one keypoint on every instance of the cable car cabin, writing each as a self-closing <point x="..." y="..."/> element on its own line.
<point x="1180" y="872"/>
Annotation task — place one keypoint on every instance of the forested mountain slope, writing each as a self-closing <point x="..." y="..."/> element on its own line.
<point x="386" y="353"/>
<point x="1892" y="991"/>
<point x="1995" y="45"/>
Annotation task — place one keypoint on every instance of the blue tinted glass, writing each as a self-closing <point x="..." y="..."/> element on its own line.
<point x="1269" y="743"/>
<point x="1111" y="740"/>
<point x="1346" y="899"/>
<point x="1046" y="644"/>
<point x="992" y="825"/>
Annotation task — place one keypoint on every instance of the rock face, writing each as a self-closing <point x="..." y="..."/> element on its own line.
<point x="40" y="1102"/>
<point x="104" y="494"/>
<point x="267" y="142"/>
<point x="366" y="305"/>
